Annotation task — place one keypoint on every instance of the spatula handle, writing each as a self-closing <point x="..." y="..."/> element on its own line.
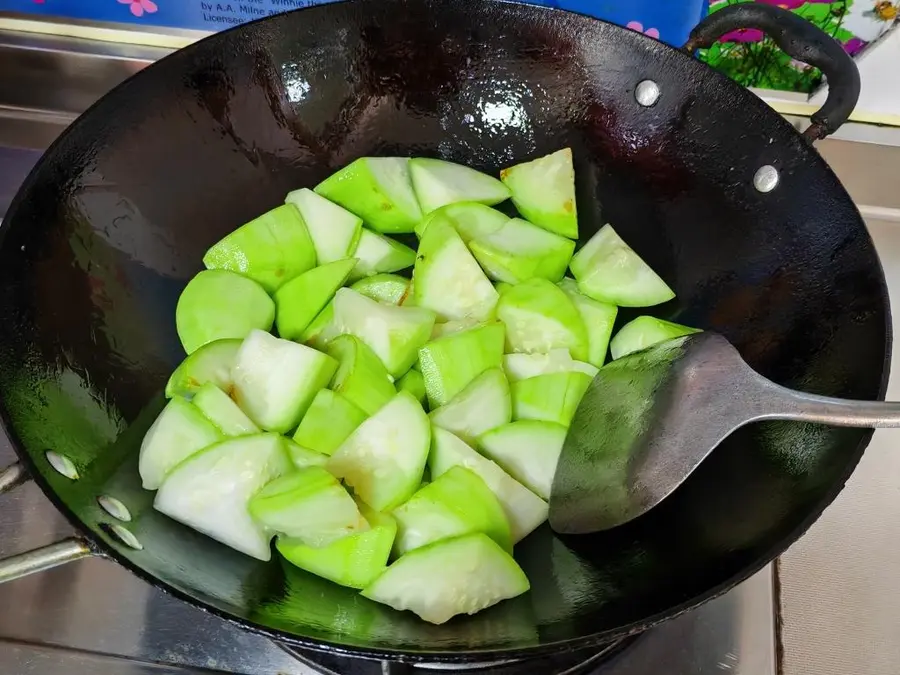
<point x="836" y="412"/>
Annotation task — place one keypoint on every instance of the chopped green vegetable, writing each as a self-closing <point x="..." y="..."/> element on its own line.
<point x="329" y="421"/>
<point x="223" y="412"/>
<point x="300" y="300"/>
<point x="543" y="191"/>
<point x="179" y="431"/>
<point x="644" y="332"/>
<point x="276" y="380"/>
<point x="384" y="458"/>
<point x="308" y="504"/>
<point x="552" y="398"/>
<point x="458" y="502"/>
<point x="448" y="279"/>
<point x="361" y="377"/>
<point x="334" y="230"/>
<point x="524" y="510"/>
<point x="528" y="451"/>
<point x="378" y="190"/>
<point x="354" y="561"/>
<point x="210" y="490"/>
<point x="393" y="333"/>
<point x="210" y="363"/>
<point x="414" y="383"/>
<point x="483" y="405"/>
<point x="520" y="251"/>
<point x="608" y="270"/>
<point x="522" y="366"/>
<point x="438" y="183"/>
<point x="271" y="249"/>
<point x="304" y="457"/>
<point x="539" y="317"/>
<point x="377" y="255"/>
<point x="387" y="288"/>
<point x="470" y="220"/>
<point x="449" y="363"/>
<point x="598" y="318"/>
<point x="322" y="330"/>
<point x="217" y="305"/>
<point x="452" y="576"/>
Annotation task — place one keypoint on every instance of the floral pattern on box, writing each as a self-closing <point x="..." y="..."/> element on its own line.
<point x="753" y="60"/>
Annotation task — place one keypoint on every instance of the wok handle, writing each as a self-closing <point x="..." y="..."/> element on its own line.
<point x="45" y="557"/>
<point x="803" y="41"/>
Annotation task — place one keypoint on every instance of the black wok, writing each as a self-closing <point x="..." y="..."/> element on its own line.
<point x="115" y="218"/>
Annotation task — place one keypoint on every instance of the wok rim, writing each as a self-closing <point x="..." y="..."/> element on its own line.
<point x="104" y="549"/>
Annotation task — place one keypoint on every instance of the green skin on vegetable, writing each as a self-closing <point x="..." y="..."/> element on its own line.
<point x="543" y="191"/>
<point x="520" y="251"/>
<point x="222" y="411"/>
<point x="300" y="300"/>
<point x="484" y="404"/>
<point x="539" y="317"/>
<point x="644" y="332"/>
<point x="377" y="254"/>
<point x="329" y="421"/>
<point x="271" y="249"/>
<point x="551" y="398"/>
<point x="217" y="305"/>
<point x="598" y="317"/>
<point x="378" y="190"/>
<point x="414" y="383"/>
<point x="361" y="377"/>
<point x="438" y="183"/>
<point x="522" y="366"/>
<point x="210" y="363"/>
<point x="449" y="363"/>
<point x="456" y="503"/>
<point x="471" y="220"/>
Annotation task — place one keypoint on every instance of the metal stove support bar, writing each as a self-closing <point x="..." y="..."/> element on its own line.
<point x="39" y="559"/>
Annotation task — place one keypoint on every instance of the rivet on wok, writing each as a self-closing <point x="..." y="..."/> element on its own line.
<point x="766" y="178"/>
<point x="114" y="507"/>
<point x="63" y="465"/>
<point x="647" y="93"/>
<point x="123" y="535"/>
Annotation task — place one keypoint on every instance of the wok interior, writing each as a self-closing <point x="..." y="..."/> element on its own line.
<point x="117" y="217"/>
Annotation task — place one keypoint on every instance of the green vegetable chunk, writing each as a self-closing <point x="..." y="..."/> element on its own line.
<point x="483" y="405"/>
<point x="210" y="491"/>
<point x="276" y="380"/>
<point x="524" y="510"/>
<point x="470" y="220"/>
<point x="376" y="254"/>
<point x="552" y="398"/>
<point x="378" y="190"/>
<point x="329" y="421"/>
<point x="210" y="363"/>
<point x="448" y="279"/>
<point x="217" y="304"/>
<point x="179" y="431"/>
<point x="528" y="451"/>
<point x="354" y="561"/>
<point x="414" y="383"/>
<point x="522" y="366"/>
<point x="300" y="300"/>
<point x="304" y="457"/>
<point x="520" y="251"/>
<point x="438" y="183"/>
<point x="322" y="330"/>
<point x="393" y="333"/>
<point x="449" y="363"/>
<point x="453" y="576"/>
<point x="361" y="377"/>
<point x="271" y="249"/>
<point x="644" y="332"/>
<point x="456" y="503"/>
<point x="334" y="231"/>
<point x="539" y="317"/>
<point x="608" y="270"/>
<point x="389" y="289"/>
<point x="384" y="458"/>
<point x="223" y="412"/>
<point x="308" y="504"/>
<point x="543" y="191"/>
<point x="598" y="318"/>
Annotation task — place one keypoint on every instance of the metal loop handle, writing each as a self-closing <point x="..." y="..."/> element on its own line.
<point x="39" y="559"/>
<point x="803" y="41"/>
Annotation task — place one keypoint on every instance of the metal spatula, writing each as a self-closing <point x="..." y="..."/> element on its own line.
<point x="650" y="418"/>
